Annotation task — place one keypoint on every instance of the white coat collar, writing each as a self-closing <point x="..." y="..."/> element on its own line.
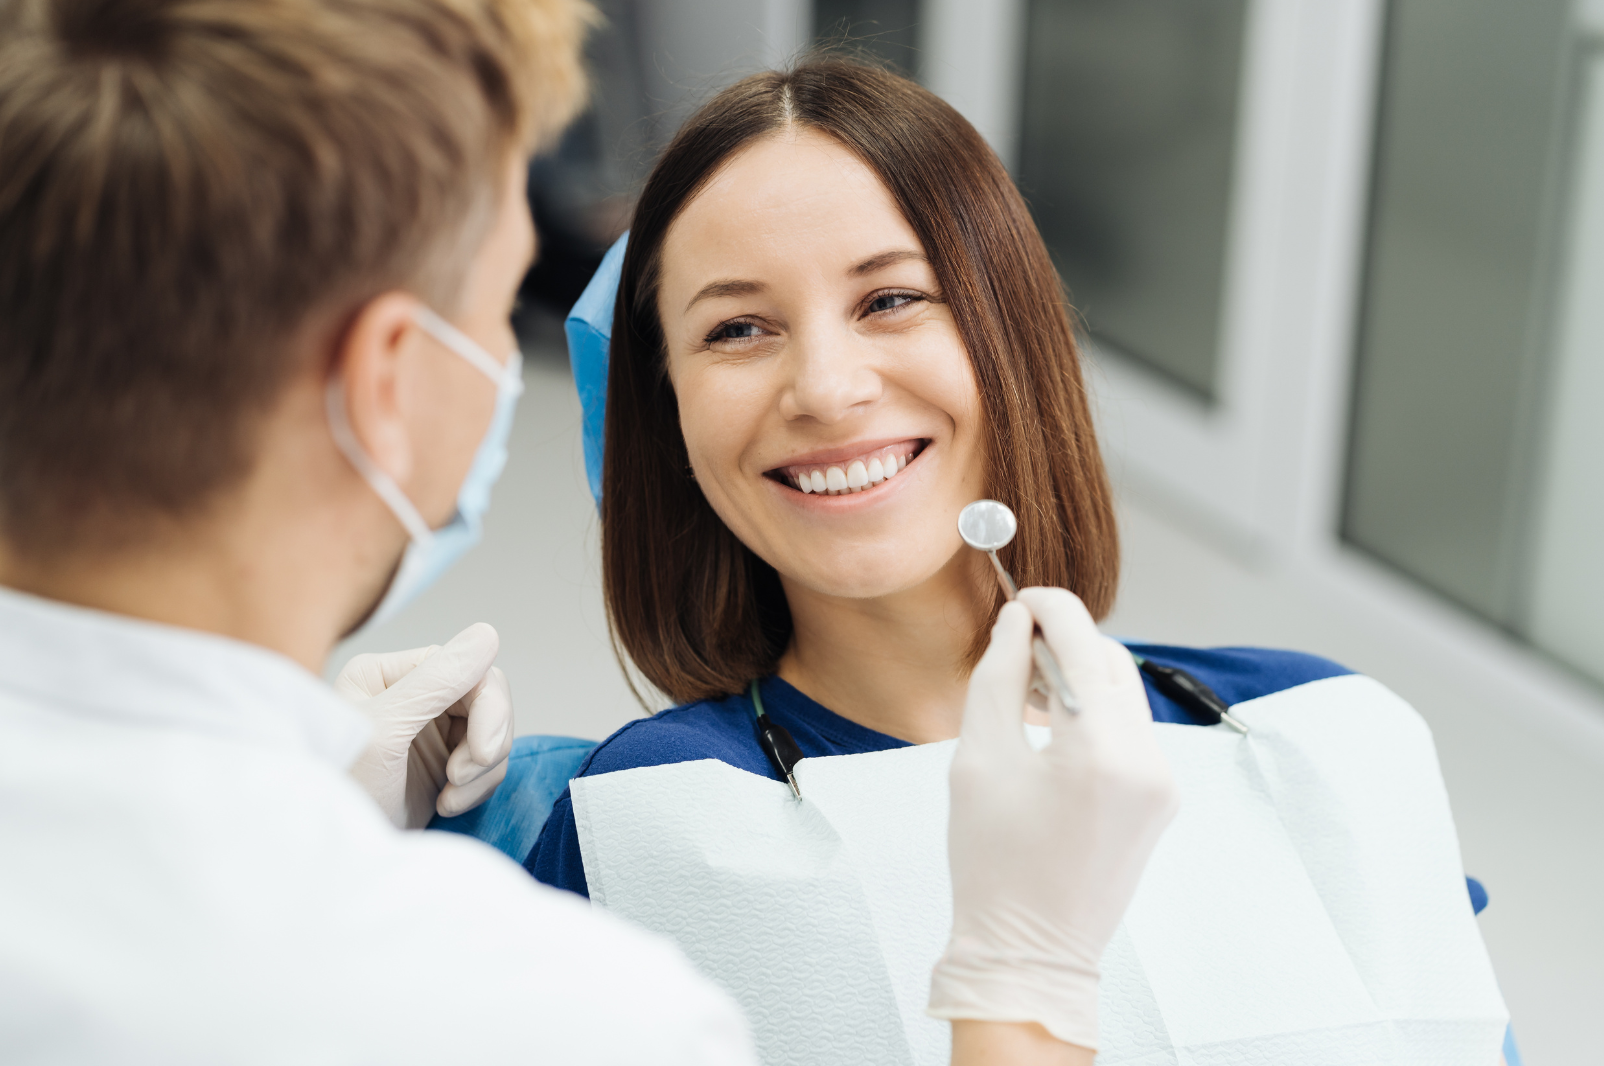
<point x="95" y="663"/>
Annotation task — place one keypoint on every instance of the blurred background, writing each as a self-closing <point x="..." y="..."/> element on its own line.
<point x="1342" y="268"/>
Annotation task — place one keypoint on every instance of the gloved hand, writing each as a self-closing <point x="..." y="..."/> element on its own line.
<point x="442" y="725"/>
<point x="1046" y="847"/>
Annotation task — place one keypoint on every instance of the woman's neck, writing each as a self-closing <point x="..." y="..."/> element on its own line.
<point x="893" y="664"/>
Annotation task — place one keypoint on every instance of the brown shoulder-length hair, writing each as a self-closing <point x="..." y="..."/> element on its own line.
<point x="695" y="610"/>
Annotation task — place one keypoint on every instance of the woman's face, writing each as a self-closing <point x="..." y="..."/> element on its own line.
<point x="828" y="404"/>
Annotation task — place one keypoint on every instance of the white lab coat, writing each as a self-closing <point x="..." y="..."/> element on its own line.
<point x="187" y="875"/>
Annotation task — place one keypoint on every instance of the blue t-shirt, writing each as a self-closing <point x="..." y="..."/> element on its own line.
<point x="724" y="730"/>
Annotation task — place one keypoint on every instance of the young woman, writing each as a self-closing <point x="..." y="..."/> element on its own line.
<point x="836" y="326"/>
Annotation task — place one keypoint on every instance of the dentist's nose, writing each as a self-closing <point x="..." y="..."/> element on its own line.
<point x="831" y="376"/>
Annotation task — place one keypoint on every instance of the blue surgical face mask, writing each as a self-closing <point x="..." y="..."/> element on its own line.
<point x="432" y="551"/>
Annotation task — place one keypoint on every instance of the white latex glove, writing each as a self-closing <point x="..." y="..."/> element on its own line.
<point x="442" y="725"/>
<point x="1046" y="847"/>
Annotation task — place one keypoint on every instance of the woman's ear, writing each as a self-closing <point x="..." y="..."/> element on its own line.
<point x="370" y="359"/>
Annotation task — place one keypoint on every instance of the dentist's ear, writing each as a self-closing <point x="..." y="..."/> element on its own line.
<point x="371" y="358"/>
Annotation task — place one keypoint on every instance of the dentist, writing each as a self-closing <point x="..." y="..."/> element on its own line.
<point x="256" y="379"/>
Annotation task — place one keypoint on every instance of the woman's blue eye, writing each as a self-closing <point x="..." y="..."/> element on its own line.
<point x="889" y="302"/>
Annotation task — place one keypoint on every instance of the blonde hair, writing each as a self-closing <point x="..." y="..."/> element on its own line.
<point x="187" y="183"/>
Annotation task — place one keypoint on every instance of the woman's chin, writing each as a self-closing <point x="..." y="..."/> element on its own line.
<point x="874" y="575"/>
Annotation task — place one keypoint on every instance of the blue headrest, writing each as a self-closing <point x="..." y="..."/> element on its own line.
<point x="590" y="332"/>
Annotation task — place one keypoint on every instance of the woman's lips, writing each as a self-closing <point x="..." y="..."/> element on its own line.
<point x="861" y="473"/>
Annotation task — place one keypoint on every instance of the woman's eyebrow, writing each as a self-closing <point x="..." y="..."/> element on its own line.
<point x="732" y="287"/>
<point x="885" y="259"/>
<point x="741" y="287"/>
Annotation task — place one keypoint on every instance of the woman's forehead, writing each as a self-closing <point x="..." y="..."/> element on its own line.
<point x="789" y="200"/>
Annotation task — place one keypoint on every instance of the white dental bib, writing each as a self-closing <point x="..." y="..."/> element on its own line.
<point x="1307" y="906"/>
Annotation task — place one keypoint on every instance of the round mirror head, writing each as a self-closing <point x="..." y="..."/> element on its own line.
<point x="987" y="525"/>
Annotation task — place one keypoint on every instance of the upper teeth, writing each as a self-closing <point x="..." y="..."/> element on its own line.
<point x="855" y="475"/>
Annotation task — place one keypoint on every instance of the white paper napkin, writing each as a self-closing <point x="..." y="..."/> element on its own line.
<point x="1308" y="906"/>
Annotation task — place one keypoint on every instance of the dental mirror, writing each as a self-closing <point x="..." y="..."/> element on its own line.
<point x="988" y="525"/>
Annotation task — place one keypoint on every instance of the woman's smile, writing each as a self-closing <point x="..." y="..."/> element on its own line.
<point x="848" y="471"/>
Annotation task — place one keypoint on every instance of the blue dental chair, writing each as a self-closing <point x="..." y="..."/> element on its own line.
<point x="538" y="770"/>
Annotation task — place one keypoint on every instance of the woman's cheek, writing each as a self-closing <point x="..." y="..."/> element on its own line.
<point x="690" y="396"/>
<point x="713" y="442"/>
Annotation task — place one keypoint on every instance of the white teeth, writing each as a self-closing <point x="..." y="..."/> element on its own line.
<point x="856" y="475"/>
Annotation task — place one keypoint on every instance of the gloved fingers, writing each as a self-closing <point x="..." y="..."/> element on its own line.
<point x="464" y="766"/>
<point x="456" y="799"/>
<point x="1126" y="676"/>
<point x="489" y="712"/>
<point x="481" y="729"/>
<point x="369" y="674"/>
<point x="399" y="664"/>
<point x="1071" y="634"/>
<point x="453" y="726"/>
<point x="994" y="713"/>
<point x="1122" y="666"/>
<point x="463" y="769"/>
<point x="448" y="674"/>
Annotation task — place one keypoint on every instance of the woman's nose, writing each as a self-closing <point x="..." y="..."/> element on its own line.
<point x="831" y="376"/>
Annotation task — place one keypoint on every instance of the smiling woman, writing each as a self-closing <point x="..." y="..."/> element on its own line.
<point x="832" y="279"/>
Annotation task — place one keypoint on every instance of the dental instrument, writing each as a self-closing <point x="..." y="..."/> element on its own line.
<point x="776" y="742"/>
<point x="987" y="525"/>
<point x="1189" y="692"/>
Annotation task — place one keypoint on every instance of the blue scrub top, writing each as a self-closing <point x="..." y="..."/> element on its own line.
<point x="724" y="730"/>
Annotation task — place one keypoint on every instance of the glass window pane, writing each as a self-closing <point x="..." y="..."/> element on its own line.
<point x="1457" y="298"/>
<point x="1566" y="610"/>
<point x="1128" y="135"/>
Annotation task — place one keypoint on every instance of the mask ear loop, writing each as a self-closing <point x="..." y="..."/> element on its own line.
<point x="381" y="482"/>
<point x="340" y="426"/>
<point x="464" y="345"/>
